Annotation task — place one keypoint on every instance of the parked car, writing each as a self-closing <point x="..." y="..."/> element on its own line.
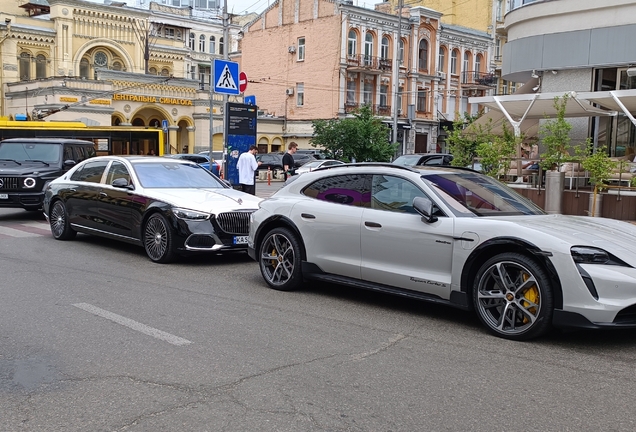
<point x="217" y="156"/>
<point x="201" y="159"/>
<point x="27" y="165"/>
<point x="424" y="159"/>
<point x="168" y="206"/>
<point x="451" y="236"/>
<point x="301" y="159"/>
<point x="272" y="161"/>
<point x="315" y="164"/>
<point x="317" y="154"/>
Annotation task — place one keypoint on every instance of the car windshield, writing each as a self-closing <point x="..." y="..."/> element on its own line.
<point x="469" y="192"/>
<point x="22" y="152"/>
<point x="406" y="160"/>
<point x="312" y="164"/>
<point x="175" y="175"/>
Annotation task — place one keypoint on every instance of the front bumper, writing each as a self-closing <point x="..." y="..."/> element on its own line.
<point x="24" y="200"/>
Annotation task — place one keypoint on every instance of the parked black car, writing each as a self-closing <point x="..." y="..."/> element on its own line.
<point x="301" y="159"/>
<point x="424" y="159"/>
<point x="27" y="165"/>
<point x="273" y="161"/>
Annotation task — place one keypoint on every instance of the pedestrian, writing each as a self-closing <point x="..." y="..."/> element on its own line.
<point x="247" y="165"/>
<point x="151" y="152"/>
<point x="288" y="160"/>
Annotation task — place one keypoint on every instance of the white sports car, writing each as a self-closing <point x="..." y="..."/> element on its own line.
<point x="450" y="236"/>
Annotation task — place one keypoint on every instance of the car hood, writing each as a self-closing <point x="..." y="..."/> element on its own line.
<point x="611" y="235"/>
<point x="13" y="169"/>
<point x="207" y="200"/>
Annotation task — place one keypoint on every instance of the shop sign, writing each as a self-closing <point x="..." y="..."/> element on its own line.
<point x="152" y="99"/>
<point x="68" y="99"/>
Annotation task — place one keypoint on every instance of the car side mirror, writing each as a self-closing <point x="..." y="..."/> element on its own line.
<point x="424" y="206"/>
<point x="69" y="163"/>
<point x="122" y="183"/>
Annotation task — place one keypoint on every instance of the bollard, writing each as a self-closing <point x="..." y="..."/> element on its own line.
<point x="269" y="176"/>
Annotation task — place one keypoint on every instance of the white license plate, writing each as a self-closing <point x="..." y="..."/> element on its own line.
<point x="4" y="196"/>
<point x="240" y="239"/>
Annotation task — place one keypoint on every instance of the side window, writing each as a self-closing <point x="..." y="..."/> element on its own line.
<point x="91" y="172"/>
<point x="117" y="170"/>
<point x="90" y="151"/>
<point x="350" y="189"/>
<point x="79" y="152"/>
<point x="434" y="161"/>
<point x="68" y="153"/>
<point x="394" y="194"/>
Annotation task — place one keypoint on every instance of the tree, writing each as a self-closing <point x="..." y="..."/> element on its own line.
<point x="496" y="152"/>
<point x="361" y="138"/>
<point x="464" y="138"/>
<point x="555" y="136"/>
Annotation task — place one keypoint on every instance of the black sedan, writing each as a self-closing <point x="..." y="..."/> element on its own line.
<point x="168" y="206"/>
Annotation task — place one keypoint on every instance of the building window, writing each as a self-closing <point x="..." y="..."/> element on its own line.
<point x="169" y="32"/>
<point x="191" y="44"/>
<point x="401" y="52"/>
<point x="399" y="100"/>
<point x="423" y="55"/>
<point x="499" y="10"/>
<point x="384" y="48"/>
<point x="441" y="66"/>
<point x="205" y="4"/>
<point x="84" y="68"/>
<point x="466" y="65"/>
<point x="212" y="44"/>
<point x="351" y="92"/>
<point x="202" y="43"/>
<point x="498" y="50"/>
<point x="352" y="43"/>
<point x="117" y="66"/>
<point x="165" y="72"/>
<point x="453" y="65"/>
<point x="384" y="100"/>
<point x="25" y="66"/>
<point x="477" y="64"/>
<point x="221" y="46"/>
<point x="421" y="100"/>
<point x="152" y="71"/>
<point x="368" y="48"/>
<point x="204" y="75"/>
<point x="301" y="49"/>
<point x="300" y="94"/>
<point x="40" y="67"/>
<point x="367" y="93"/>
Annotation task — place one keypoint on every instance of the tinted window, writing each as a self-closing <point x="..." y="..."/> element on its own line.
<point x="117" y="170"/>
<point x="68" y="153"/>
<point x="49" y="153"/>
<point x="394" y="194"/>
<point x="406" y="160"/>
<point x="90" y="172"/>
<point x="434" y="161"/>
<point x="350" y="189"/>
<point x="175" y="175"/>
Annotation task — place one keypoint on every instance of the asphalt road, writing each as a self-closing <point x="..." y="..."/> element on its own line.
<point x="95" y="337"/>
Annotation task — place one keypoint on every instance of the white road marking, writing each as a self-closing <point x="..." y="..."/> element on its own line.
<point x="150" y="331"/>
<point x="36" y="224"/>
<point x="16" y="233"/>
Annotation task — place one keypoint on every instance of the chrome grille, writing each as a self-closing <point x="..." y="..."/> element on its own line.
<point x="237" y="222"/>
<point x="9" y="182"/>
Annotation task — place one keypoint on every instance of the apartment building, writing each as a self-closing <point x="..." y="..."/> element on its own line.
<point x="322" y="59"/>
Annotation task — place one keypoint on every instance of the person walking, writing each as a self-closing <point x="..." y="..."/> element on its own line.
<point x="247" y="165"/>
<point x="288" y="160"/>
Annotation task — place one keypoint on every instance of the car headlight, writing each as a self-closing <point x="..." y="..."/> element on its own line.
<point x="592" y="255"/>
<point x="186" y="214"/>
<point x="29" y="183"/>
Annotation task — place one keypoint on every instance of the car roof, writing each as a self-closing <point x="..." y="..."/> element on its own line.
<point x="47" y="141"/>
<point x="387" y="167"/>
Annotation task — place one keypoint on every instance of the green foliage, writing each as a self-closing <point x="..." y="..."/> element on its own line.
<point x="555" y="136"/>
<point x="599" y="166"/>
<point x="495" y="155"/>
<point x="462" y="141"/>
<point x="363" y="138"/>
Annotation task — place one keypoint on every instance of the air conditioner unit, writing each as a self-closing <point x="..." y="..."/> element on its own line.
<point x="289" y="91"/>
<point x="292" y="49"/>
<point x="441" y="75"/>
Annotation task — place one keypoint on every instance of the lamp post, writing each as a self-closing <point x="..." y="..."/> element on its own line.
<point x="396" y="72"/>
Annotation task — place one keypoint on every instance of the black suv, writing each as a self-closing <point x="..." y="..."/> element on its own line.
<point x="424" y="159"/>
<point x="27" y="165"/>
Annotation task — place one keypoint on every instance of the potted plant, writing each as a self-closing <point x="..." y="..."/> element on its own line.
<point x="555" y="137"/>
<point x="600" y="167"/>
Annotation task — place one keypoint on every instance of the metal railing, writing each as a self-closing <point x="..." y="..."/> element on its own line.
<point x="371" y="62"/>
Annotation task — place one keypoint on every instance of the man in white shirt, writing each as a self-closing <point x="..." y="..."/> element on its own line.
<point x="246" y="166"/>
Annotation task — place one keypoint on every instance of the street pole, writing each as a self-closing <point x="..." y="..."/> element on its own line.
<point x="211" y="109"/>
<point x="396" y="73"/>
<point x="226" y="49"/>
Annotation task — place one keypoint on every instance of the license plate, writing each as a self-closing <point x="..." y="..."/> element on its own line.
<point x="240" y="239"/>
<point x="4" y="196"/>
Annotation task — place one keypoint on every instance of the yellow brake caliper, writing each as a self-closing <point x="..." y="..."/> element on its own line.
<point x="532" y="294"/>
<point x="274" y="261"/>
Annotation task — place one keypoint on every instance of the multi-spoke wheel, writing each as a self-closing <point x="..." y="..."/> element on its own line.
<point x="513" y="297"/>
<point x="60" y="226"/>
<point x="280" y="260"/>
<point x="158" y="239"/>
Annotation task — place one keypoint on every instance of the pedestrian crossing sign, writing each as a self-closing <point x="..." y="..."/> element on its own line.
<point x="226" y="75"/>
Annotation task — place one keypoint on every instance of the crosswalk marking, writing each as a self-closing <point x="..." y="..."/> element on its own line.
<point x="25" y="229"/>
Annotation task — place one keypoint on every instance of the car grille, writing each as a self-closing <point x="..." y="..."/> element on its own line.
<point x="626" y="316"/>
<point x="9" y="183"/>
<point x="237" y="222"/>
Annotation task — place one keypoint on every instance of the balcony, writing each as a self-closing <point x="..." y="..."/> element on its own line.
<point x="378" y="110"/>
<point x="478" y="80"/>
<point x="368" y="64"/>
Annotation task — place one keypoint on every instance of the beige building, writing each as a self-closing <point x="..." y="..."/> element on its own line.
<point x="326" y="58"/>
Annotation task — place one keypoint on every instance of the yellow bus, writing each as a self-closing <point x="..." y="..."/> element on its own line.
<point x="108" y="140"/>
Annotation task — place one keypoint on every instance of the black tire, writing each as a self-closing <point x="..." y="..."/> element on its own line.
<point x="58" y="220"/>
<point x="280" y="257"/>
<point x="520" y="310"/>
<point x="158" y="241"/>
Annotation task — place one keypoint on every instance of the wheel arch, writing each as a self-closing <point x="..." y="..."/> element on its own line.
<point x="493" y="247"/>
<point x="278" y="221"/>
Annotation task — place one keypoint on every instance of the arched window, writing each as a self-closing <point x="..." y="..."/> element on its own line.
<point x="117" y="66"/>
<point x="478" y="63"/>
<point x="25" y="66"/>
<point x="466" y="65"/>
<point x="84" y="69"/>
<point x="221" y="46"/>
<point x="191" y="42"/>
<point x="202" y="43"/>
<point x="40" y="67"/>
<point x="384" y="48"/>
<point x="368" y="48"/>
<point x="453" y="65"/>
<point x="152" y="71"/>
<point x="401" y="52"/>
<point x="212" y="44"/>
<point x="352" y="43"/>
<point x="441" y="61"/>
<point x="423" y="55"/>
<point x="165" y="72"/>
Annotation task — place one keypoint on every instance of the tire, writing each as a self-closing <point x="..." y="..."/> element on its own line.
<point x="280" y="260"/>
<point x="158" y="241"/>
<point x="523" y="309"/>
<point x="60" y="226"/>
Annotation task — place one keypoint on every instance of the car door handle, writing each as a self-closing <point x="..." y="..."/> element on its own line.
<point x="307" y="216"/>
<point x="372" y="224"/>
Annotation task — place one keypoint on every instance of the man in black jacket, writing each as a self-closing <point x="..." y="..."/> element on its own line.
<point x="288" y="160"/>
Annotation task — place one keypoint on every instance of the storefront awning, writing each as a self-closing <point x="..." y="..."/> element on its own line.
<point x="618" y="100"/>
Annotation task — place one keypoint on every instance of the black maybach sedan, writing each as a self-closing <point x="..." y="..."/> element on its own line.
<point x="168" y="206"/>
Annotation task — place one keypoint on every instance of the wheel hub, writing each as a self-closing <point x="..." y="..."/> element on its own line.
<point x="157" y="238"/>
<point x="510" y="297"/>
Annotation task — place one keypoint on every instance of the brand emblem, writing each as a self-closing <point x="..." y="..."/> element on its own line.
<point x="1" y="183"/>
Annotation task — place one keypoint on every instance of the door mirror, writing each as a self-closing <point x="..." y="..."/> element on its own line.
<point x="122" y="183"/>
<point x="424" y="206"/>
<point x="69" y="163"/>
